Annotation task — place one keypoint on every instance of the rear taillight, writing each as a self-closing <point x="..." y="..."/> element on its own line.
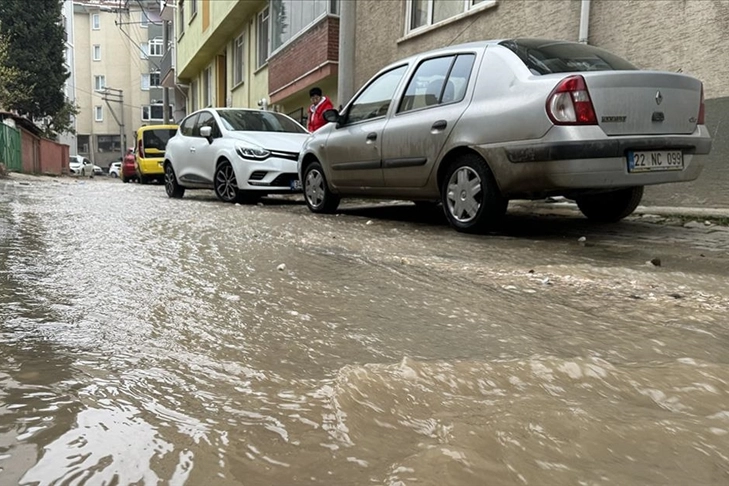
<point x="141" y="149"/>
<point x="702" y="108"/>
<point x="570" y="103"/>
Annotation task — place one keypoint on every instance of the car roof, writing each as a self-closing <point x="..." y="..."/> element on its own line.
<point x="473" y="46"/>
<point x="156" y="127"/>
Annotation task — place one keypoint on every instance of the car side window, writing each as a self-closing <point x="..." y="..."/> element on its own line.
<point x="438" y="81"/>
<point x="375" y="100"/>
<point x="187" y="126"/>
<point x="205" y="119"/>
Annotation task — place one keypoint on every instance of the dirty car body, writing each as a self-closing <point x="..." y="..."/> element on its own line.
<point x="478" y="124"/>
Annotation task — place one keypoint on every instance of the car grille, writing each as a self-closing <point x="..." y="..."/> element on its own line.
<point x="285" y="155"/>
<point x="258" y="175"/>
<point x="284" y="180"/>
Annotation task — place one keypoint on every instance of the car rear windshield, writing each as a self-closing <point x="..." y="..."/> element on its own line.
<point x="258" y="121"/>
<point x="158" y="138"/>
<point x="549" y="57"/>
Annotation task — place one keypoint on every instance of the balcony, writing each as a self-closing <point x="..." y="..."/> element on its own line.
<point x="167" y="69"/>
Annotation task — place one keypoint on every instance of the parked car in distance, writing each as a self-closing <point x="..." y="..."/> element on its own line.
<point x="98" y="170"/>
<point x="475" y="125"/>
<point x="151" y="141"/>
<point x="129" y="167"/>
<point x="115" y="169"/>
<point x="80" y="166"/>
<point x="241" y="154"/>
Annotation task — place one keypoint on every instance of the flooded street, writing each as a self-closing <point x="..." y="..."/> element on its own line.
<point x="152" y="341"/>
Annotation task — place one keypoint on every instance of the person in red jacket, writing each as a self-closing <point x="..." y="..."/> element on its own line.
<point x="319" y="104"/>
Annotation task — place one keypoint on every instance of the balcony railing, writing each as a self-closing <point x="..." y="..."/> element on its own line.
<point x="167" y="68"/>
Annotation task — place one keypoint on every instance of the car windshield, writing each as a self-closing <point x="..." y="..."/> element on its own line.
<point x="258" y="121"/>
<point x="157" y="139"/>
<point x="549" y="57"/>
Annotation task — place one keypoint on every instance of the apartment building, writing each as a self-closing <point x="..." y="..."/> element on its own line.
<point x="117" y="51"/>
<point x="257" y="54"/>
<point x="69" y="89"/>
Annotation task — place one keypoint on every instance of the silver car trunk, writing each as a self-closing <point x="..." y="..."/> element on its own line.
<point x="644" y="102"/>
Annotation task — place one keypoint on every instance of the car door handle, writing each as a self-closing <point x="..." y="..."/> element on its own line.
<point x="371" y="137"/>
<point x="440" y="125"/>
<point x="192" y="150"/>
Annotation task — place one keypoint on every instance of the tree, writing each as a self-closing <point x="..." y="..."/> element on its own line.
<point x="9" y="74"/>
<point x="35" y="50"/>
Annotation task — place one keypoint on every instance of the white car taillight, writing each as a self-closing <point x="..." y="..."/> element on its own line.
<point x="570" y="103"/>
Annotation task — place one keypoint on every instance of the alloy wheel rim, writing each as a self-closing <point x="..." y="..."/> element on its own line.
<point x="464" y="194"/>
<point x="314" y="188"/>
<point x="169" y="180"/>
<point x="225" y="183"/>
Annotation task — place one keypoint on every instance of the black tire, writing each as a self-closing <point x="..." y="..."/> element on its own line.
<point x="610" y="207"/>
<point x="125" y="181"/>
<point x="317" y="194"/>
<point x="143" y="179"/>
<point x="114" y="175"/>
<point x="225" y="184"/>
<point x="172" y="187"/>
<point x="480" y="210"/>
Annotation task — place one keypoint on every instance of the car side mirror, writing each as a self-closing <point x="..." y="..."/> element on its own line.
<point x="207" y="132"/>
<point x="332" y="116"/>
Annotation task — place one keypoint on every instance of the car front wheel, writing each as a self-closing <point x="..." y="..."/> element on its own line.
<point x="471" y="199"/>
<point x="610" y="207"/>
<point x="319" y="197"/>
<point x="172" y="187"/>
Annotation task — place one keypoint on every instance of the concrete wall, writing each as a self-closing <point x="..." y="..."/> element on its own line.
<point x="54" y="157"/>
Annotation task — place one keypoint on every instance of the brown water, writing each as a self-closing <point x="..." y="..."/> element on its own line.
<point x="149" y="341"/>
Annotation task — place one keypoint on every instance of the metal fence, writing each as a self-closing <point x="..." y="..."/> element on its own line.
<point x="10" y="150"/>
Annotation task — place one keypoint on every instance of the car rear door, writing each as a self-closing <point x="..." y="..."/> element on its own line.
<point x="431" y="105"/>
<point x="353" y="149"/>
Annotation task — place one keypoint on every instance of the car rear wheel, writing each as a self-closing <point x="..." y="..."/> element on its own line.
<point x="319" y="197"/>
<point x="609" y="207"/>
<point x="471" y="199"/>
<point x="173" y="189"/>
<point x="113" y="175"/>
<point x="143" y="179"/>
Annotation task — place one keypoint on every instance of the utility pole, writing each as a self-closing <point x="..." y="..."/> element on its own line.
<point x="165" y="90"/>
<point x="111" y="95"/>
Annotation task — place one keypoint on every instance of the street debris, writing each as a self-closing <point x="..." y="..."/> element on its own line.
<point x="582" y="239"/>
<point x="281" y="267"/>
<point x="369" y="222"/>
<point x="656" y="262"/>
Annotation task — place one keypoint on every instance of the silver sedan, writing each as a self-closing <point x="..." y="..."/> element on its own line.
<point x="475" y="125"/>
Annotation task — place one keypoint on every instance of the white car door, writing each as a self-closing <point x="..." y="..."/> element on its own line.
<point x="179" y="149"/>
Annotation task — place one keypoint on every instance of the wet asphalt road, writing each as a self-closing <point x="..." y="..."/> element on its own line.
<point x="153" y="341"/>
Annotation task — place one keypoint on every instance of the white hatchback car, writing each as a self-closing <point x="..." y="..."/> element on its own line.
<point x="241" y="154"/>
<point x="114" y="169"/>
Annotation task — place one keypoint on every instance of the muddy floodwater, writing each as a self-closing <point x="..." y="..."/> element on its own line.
<point x="150" y="341"/>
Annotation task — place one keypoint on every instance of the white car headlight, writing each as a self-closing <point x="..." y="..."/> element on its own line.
<point x="252" y="152"/>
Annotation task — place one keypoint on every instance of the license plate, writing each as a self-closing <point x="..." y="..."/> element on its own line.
<point x="296" y="185"/>
<point x="655" y="160"/>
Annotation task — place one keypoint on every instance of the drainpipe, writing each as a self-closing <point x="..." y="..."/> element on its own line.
<point x="584" y="21"/>
<point x="347" y="26"/>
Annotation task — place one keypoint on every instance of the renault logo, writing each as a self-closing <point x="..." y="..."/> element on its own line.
<point x="659" y="97"/>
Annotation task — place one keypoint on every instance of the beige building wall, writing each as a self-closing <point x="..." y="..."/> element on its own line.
<point x="691" y="35"/>
<point x="122" y="64"/>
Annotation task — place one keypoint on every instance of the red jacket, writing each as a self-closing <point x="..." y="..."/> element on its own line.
<point x="316" y="114"/>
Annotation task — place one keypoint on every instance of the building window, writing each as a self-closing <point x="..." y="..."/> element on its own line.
<point x="422" y="13"/>
<point x="95" y="21"/>
<point x="156" y="112"/>
<point x="264" y="40"/>
<point x="193" y="8"/>
<point x="154" y="80"/>
<point x="238" y="59"/>
<point x="291" y="17"/>
<point x="144" y="85"/>
<point x="143" y="19"/>
<point x="155" y="47"/>
<point x="99" y="83"/>
<point x="98" y="113"/>
<point x="108" y="143"/>
<point x="83" y="144"/>
<point x="181" y="16"/>
<point x="193" y="96"/>
<point x="208" y="87"/>
<point x="144" y="51"/>
<point x="97" y="52"/>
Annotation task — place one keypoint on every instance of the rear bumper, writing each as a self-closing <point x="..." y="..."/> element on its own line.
<point x="151" y="167"/>
<point x="561" y="162"/>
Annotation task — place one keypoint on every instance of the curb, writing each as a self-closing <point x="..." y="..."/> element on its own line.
<point x="566" y="206"/>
